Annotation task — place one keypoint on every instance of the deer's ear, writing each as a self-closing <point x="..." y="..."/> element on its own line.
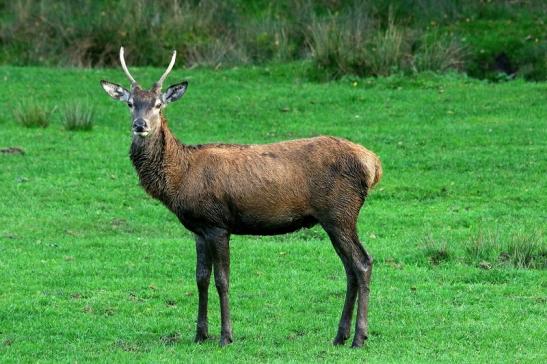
<point x="115" y="91"/>
<point x="174" y="92"/>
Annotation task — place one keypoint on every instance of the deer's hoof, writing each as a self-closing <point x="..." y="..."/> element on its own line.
<point x="200" y="337"/>
<point x="225" y="340"/>
<point x="358" y="341"/>
<point x="339" y="340"/>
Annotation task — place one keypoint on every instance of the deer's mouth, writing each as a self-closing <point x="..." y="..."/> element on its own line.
<point x="142" y="134"/>
<point x="141" y="129"/>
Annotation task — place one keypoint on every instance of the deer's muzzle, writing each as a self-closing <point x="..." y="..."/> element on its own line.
<point x="140" y="127"/>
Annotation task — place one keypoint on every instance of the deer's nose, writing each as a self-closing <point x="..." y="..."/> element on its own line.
<point x="139" y="125"/>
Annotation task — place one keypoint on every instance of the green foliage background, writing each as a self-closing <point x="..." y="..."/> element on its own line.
<point x="486" y="39"/>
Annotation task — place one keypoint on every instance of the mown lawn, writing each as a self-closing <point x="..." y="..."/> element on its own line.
<point x="93" y="269"/>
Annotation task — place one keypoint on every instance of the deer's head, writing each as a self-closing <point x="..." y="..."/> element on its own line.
<point x="145" y="105"/>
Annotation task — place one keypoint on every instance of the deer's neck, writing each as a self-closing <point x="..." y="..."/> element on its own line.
<point x="160" y="162"/>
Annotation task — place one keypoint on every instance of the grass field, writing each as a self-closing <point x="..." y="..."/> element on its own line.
<point x="93" y="269"/>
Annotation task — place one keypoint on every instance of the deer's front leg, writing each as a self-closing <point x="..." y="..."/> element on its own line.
<point x="219" y="247"/>
<point x="203" y="276"/>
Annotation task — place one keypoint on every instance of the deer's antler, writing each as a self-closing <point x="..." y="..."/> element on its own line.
<point x="124" y="66"/>
<point x="166" y="73"/>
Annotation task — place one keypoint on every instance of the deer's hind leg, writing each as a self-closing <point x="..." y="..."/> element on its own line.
<point x="344" y="326"/>
<point x="363" y="270"/>
<point x="342" y="230"/>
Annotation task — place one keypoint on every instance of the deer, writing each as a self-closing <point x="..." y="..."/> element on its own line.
<point x="219" y="190"/>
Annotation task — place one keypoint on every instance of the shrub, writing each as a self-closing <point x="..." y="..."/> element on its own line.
<point x="484" y="247"/>
<point x="439" y="54"/>
<point x="532" y="60"/>
<point x="78" y="117"/>
<point x="436" y="251"/>
<point x="269" y="39"/>
<point x="389" y="50"/>
<point x="354" y="45"/>
<point x="501" y="47"/>
<point x="519" y="250"/>
<point x="339" y="45"/>
<point x="526" y="250"/>
<point x="32" y="115"/>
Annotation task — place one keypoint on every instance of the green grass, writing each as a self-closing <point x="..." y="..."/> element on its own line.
<point x="93" y="269"/>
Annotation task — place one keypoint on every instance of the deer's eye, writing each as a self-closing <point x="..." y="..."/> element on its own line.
<point x="130" y="104"/>
<point x="158" y="105"/>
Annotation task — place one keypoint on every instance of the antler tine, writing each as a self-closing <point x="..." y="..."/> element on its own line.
<point x="164" y="76"/>
<point x="124" y="66"/>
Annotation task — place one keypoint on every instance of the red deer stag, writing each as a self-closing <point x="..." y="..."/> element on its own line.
<point x="217" y="190"/>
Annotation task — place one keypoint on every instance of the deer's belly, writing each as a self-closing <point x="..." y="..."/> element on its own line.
<point x="242" y="222"/>
<point x="257" y="225"/>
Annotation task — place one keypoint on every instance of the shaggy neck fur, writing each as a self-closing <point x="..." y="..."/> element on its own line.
<point x="151" y="155"/>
